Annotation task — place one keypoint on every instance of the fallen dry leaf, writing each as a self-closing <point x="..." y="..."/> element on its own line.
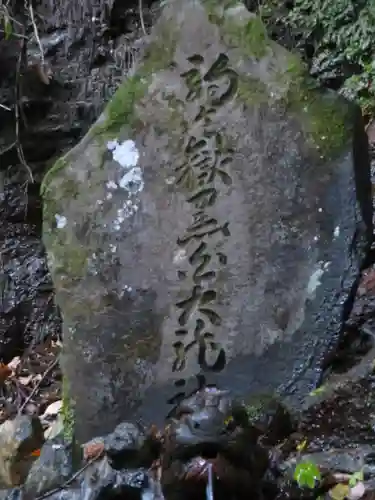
<point x="53" y="409"/>
<point x="92" y="450"/>
<point x="25" y="380"/>
<point x="357" y="491"/>
<point x="14" y="363"/>
<point x="5" y="372"/>
<point x="339" y="492"/>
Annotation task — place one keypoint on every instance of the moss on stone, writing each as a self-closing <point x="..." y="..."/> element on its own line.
<point x="56" y="167"/>
<point x="216" y="8"/>
<point x="257" y="406"/>
<point x="323" y="120"/>
<point x="321" y="116"/>
<point x="252" y="91"/>
<point x="160" y="52"/>
<point x="67" y="412"/>
<point x="250" y="37"/>
<point x="71" y="258"/>
<point x="212" y="5"/>
<point x="68" y="258"/>
<point x="121" y="110"/>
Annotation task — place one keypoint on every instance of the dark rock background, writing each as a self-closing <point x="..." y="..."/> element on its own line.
<point x="87" y="52"/>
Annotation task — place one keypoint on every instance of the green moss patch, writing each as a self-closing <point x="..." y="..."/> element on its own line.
<point x="160" y="53"/>
<point x="60" y="164"/>
<point x="321" y="116"/>
<point x="252" y="91"/>
<point x="121" y="110"/>
<point x="215" y="9"/>
<point x="250" y="37"/>
<point x="67" y="412"/>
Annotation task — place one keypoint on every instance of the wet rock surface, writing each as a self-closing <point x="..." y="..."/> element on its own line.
<point x="60" y="87"/>
<point x="27" y="310"/>
<point x="144" y="229"/>
<point x="269" y="417"/>
<point x="54" y="474"/>
<point x="18" y="439"/>
<point x="213" y="446"/>
<point x="203" y="435"/>
<point x="209" y="435"/>
<point x="208" y="448"/>
<point x="51" y="469"/>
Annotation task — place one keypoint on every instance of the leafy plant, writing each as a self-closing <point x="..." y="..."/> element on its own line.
<point x="338" y="40"/>
<point x="356" y="478"/>
<point x="307" y="474"/>
<point x="5" y="21"/>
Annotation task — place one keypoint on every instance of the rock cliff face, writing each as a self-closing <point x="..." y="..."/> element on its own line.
<point x="210" y="226"/>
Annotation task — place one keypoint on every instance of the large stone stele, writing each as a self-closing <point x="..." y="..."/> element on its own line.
<point x="211" y="225"/>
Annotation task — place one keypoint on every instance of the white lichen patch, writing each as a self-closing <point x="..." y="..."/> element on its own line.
<point x="127" y="155"/>
<point x="336" y="232"/>
<point x="92" y="264"/>
<point x="111" y="145"/>
<point x="315" y="280"/>
<point x="129" y="208"/>
<point x="132" y="181"/>
<point x="111" y="185"/>
<point x="179" y="256"/>
<point x="60" y="221"/>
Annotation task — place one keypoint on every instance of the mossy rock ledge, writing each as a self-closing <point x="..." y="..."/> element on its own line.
<point x="212" y="222"/>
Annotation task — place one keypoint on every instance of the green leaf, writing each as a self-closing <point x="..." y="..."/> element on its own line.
<point x="307" y="474"/>
<point x="7" y="27"/>
<point x="318" y="390"/>
<point x="355" y="478"/>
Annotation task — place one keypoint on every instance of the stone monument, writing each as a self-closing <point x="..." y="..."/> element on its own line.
<point x="210" y="227"/>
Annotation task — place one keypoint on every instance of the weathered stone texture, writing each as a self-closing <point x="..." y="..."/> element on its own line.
<point x="212" y="222"/>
